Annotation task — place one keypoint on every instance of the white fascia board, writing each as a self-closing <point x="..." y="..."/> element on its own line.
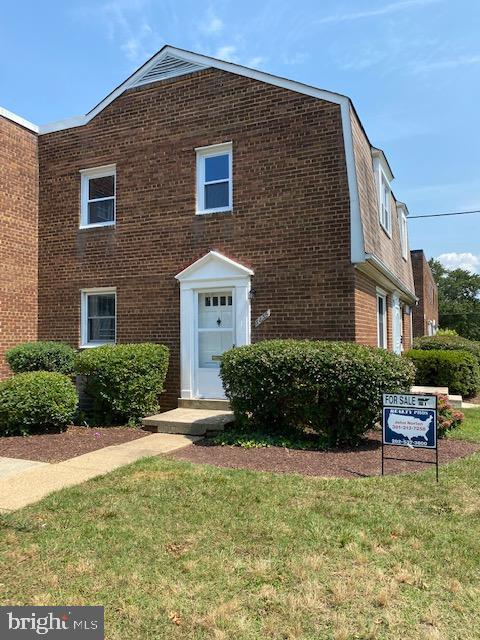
<point x="380" y="156"/>
<point x="401" y="206"/>
<point x="9" y="115"/>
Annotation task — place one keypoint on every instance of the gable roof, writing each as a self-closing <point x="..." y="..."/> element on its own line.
<point x="170" y="62"/>
<point x="9" y="115"/>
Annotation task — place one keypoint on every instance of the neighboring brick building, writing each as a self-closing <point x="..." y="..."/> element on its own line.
<point x="425" y="313"/>
<point x="18" y="233"/>
<point x="199" y="195"/>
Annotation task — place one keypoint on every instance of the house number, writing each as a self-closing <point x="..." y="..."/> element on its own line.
<point x="266" y="314"/>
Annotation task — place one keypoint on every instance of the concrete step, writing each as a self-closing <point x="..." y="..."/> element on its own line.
<point x="441" y="390"/>
<point x="196" y="422"/>
<point x="204" y="403"/>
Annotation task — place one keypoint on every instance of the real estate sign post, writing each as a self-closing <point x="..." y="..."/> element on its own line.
<point x="410" y="420"/>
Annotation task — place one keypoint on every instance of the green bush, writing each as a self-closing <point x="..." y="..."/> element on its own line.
<point x="41" y="356"/>
<point x="445" y="342"/>
<point x="124" y="380"/>
<point x="334" y="388"/>
<point x="448" y="417"/>
<point x="457" y="370"/>
<point x="36" y="401"/>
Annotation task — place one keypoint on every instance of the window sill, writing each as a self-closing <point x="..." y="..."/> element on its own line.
<point x="207" y="212"/>
<point x="385" y="230"/>
<point x="96" y="344"/>
<point x="97" y="225"/>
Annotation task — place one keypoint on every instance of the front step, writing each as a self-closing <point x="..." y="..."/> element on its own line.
<point x="194" y="422"/>
<point x="204" y="403"/>
<point x="455" y="400"/>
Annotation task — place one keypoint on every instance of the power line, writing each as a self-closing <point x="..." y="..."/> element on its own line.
<point x="440" y="215"/>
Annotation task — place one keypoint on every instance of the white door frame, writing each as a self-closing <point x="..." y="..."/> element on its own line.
<point x="213" y="271"/>
<point x="397" y="329"/>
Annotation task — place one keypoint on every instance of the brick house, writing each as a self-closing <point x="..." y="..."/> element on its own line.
<point x="425" y="313"/>
<point x="194" y="198"/>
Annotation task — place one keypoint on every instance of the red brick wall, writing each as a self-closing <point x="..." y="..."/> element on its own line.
<point x="290" y="221"/>
<point x="427" y="292"/>
<point x="18" y="237"/>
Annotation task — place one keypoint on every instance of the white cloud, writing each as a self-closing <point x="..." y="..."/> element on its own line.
<point x="452" y="63"/>
<point x="468" y="261"/>
<point x="213" y="24"/>
<point x="388" y="9"/>
<point x="227" y="52"/>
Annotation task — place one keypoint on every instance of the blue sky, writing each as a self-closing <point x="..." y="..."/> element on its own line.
<point x="412" y="68"/>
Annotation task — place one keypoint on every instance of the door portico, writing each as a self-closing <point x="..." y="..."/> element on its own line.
<point x="214" y="316"/>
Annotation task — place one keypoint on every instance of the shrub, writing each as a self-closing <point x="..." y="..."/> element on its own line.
<point x="334" y="388"/>
<point x="447" y="343"/>
<point x="457" y="370"/>
<point x="124" y="380"/>
<point x="41" y="356"/>
<point x="447" y="417"/>
<point x="446" y="332"/>
<point x="36" y="401"/>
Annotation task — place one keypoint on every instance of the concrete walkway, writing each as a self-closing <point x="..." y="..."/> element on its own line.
<point x="37" y="480"/>
<point x="13" y="466"/>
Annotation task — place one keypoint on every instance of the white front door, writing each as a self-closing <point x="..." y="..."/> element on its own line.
<point x="397" y="325"/>
<point x="215" y="331"/>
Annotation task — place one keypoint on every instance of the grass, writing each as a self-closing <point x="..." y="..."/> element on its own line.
<point x="470" y="429"/>
<point x="179" y="551"/>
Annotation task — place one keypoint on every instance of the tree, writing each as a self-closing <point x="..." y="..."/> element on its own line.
<point x="458" y="300"/>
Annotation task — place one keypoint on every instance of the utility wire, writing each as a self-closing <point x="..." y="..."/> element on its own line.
<point x="440" y="215"/>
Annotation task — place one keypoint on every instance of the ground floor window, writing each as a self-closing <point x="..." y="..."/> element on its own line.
<point x="98" y="317"/>
<point x="381" y="320"/>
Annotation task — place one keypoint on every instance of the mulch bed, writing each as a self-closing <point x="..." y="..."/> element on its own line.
<point x="362" y="461"/>
<point x="56" y="447"/>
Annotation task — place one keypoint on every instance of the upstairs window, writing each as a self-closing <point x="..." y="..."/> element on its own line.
<point x="402" y="221"/>
<point x="214" y="178"/>
<point x="385" y="202"/>
<point x="98" y="197"/>
<point x="98" y="320"/>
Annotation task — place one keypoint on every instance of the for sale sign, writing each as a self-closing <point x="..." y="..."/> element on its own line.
<point x="410" y="420"/>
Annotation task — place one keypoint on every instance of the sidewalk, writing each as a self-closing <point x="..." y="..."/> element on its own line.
<point x="35" y="483"/>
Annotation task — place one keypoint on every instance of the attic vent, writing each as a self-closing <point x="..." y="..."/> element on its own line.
<point x="168" y="67"/>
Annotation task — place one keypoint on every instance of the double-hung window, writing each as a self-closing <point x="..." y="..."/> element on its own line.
<point x="385" y="202"/>
<point x="98" y="197"/>
<point x="99" y="317"/>
<point x="381" y="319"/>
<point x="402" y="221"/>
<point x="214" y="178"/>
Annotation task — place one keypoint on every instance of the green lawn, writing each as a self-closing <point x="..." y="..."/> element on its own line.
<point x="470" y="429"/>
<point x="174" y="550"/>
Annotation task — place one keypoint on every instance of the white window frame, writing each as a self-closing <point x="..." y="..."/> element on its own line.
<point x="208" y="152"/>
<point x="385" y="202"/>
<point x="403" y="226"/>
<point x="86" y="176"/>
<point x="85" y="293"/>
<point x="383" y="295"/>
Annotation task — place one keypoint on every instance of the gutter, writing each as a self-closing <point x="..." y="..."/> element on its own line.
<point x="378" y="264"/>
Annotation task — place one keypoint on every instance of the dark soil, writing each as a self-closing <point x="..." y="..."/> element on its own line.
<point x="55" y="447"/>
<point x="362" y="461"/>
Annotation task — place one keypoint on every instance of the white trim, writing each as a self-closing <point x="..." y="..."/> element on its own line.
<point x="86" y="176"/>
<point x="402" y="213"/>
<point x="187" y="274"/>
<point x="379" y="272"/>
<point x="381" y="295"/>
<point x="9" y="115"/>
<point x="209" y="152"/>
<point x="84" y="293"/>
<point x="357" y="241"/>
<point x="213" y="271"/>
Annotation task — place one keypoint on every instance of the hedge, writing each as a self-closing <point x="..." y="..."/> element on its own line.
<point x="41" y="356"/>
<point x="334" y="388"/>
<point x="36" y="401"/>
<point x="124" y="380"/>
<point x="447" y="343"/>
<point x="457" y="370"/>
